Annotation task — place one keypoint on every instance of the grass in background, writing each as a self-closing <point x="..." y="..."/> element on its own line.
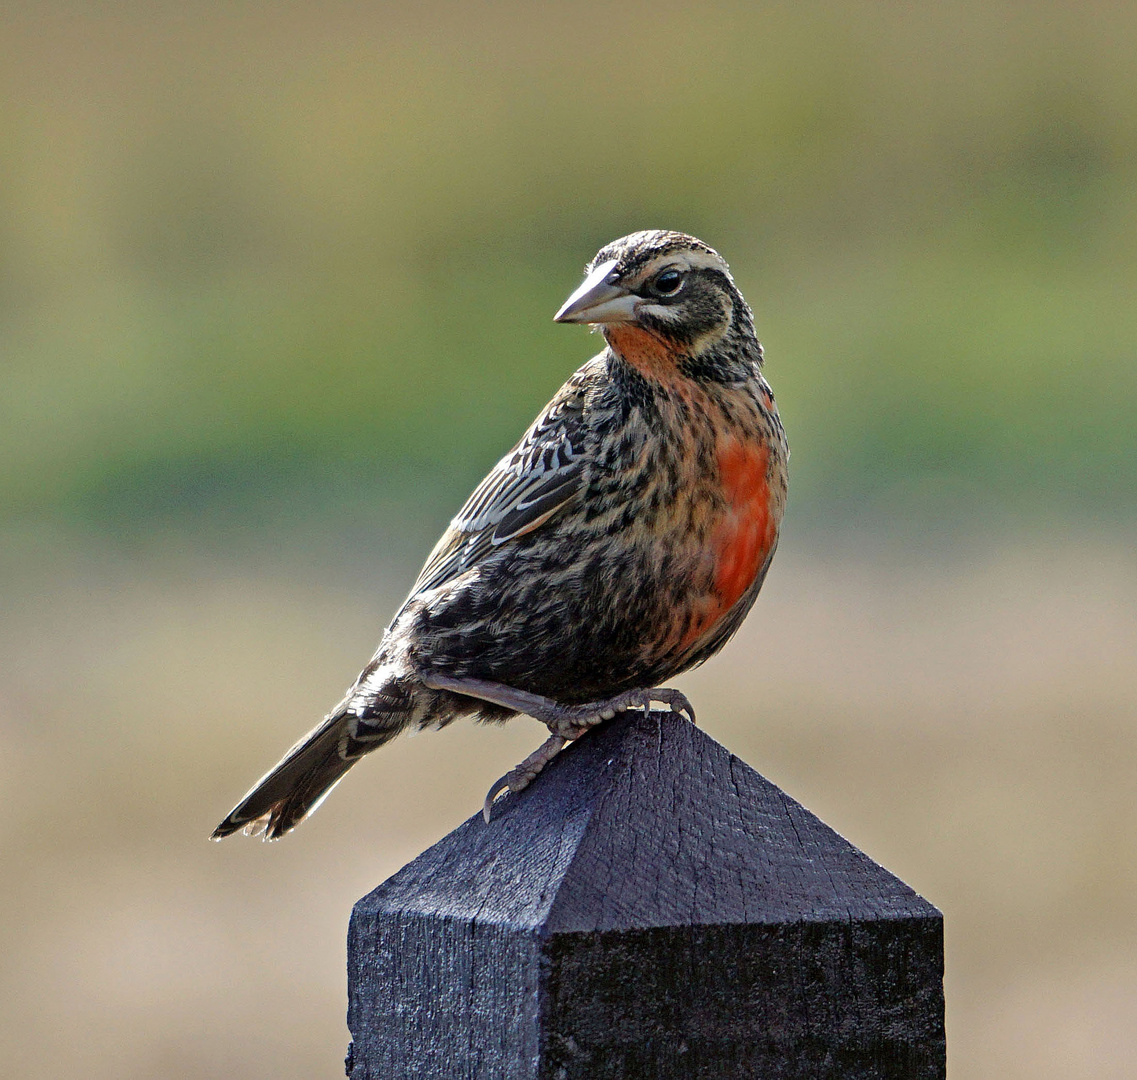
<point x="266" y="250"/>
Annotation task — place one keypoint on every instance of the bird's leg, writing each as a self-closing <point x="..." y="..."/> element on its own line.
<point x="568" y="721"/>
<point x="565" y="722"/>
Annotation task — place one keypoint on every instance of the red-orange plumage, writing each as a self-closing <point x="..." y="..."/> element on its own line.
<point x="742" y="537"/>
<point x="648" y="353"/>
<point x="745" y="534"/>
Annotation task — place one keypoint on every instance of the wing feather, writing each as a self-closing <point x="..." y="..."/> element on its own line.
<point x="542" y="473"/>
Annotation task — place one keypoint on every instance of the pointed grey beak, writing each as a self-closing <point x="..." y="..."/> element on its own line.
<point x="598" y="300"/>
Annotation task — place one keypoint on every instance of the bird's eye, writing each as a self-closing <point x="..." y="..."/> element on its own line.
<point x="667" y="283"/>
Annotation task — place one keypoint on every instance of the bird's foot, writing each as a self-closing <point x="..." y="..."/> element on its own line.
<point x="572" y="721"/>
<point x="519" y="778"/>
<point x="565" y="722"/>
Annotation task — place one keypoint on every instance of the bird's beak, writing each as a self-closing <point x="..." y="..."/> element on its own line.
<point x="598" y="300"/>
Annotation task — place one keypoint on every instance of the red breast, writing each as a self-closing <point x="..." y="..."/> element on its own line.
<point x="744" y="535"/>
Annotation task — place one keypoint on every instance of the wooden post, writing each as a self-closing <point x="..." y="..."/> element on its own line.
<point x="650" y="908"/>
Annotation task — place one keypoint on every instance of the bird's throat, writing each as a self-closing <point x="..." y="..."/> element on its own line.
<point x="647" y="352"/>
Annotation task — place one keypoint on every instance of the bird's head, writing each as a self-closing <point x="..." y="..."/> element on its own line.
<point x="663" y="290"/>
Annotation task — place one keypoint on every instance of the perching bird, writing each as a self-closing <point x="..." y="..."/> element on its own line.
<point x="622" y="541"/>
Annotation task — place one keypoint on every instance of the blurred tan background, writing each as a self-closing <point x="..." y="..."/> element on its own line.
<point x="276" y="284"/>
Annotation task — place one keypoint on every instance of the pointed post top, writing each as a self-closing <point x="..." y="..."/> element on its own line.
<point x="649" y="907"/>
<point x="646" y="822"/>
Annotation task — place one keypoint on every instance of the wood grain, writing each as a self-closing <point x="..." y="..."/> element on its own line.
<point x="650" y="907"/>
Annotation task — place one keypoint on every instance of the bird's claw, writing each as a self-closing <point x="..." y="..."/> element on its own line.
<point x="675" y="700"/>
<point x="498" y="787"/>
<point x="520" y="777"/>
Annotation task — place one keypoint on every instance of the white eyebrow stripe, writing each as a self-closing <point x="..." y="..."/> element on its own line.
<point x="684" y="260"/>
<point x="704" y="260"/>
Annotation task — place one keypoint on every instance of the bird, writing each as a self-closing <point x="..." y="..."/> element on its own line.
<point x="621" y="542"/>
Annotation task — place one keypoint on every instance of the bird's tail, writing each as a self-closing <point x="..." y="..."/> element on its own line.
<point x="290" y="791"/>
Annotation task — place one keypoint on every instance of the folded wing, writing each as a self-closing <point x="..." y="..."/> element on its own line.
<point x="527" y="488"/>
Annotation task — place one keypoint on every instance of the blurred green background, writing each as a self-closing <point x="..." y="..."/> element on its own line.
<point x="276" y="287"/>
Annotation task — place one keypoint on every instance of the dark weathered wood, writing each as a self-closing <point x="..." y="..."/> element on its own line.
<point x="650" y="908"/>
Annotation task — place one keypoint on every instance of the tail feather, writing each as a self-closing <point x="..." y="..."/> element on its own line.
<point x="292" y="789"/>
